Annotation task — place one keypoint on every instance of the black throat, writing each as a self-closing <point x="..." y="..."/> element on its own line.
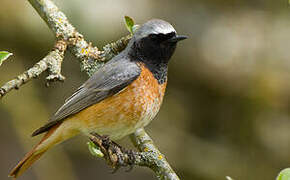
<point x="159" y="71"/>
<point x="154" y="55"/>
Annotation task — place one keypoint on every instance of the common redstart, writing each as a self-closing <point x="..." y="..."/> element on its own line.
<point x="122" y="96"/>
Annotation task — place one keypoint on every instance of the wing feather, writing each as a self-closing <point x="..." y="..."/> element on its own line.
<point x="110" y="79"/>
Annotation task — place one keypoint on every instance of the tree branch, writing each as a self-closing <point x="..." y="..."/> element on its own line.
<point x="90" y="60"/>
<point x="51" y="62"/>
<point x="157" y="161"/>
<point x="148" y="156"/>
<point x="61" y="27"/>
<point x="90" y="57"/>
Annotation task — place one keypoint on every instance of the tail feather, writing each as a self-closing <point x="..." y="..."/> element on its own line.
<point x="24" y="164"/>
<point x="35" y="153"/>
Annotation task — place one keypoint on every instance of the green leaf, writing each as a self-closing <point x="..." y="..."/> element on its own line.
<point x="94" y="150"/>
<point x="129" y="24"/>
<point x="3" y="56"/>
<point x="284" y="174"/>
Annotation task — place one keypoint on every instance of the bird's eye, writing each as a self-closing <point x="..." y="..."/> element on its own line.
<point x="154" y="36"/>
<point x="161" y="37"/>
<point x="158" y="38"/>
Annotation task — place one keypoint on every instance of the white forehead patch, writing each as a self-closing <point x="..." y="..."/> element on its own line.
<point x="155" y="26"/>
<point x="162" y="27"/>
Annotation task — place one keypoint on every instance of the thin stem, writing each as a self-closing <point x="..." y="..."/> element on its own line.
<point x="51" y="62"/>
<point x="158" y="162"/>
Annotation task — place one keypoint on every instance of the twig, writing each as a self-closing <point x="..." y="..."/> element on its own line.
<point x="90" y="57"/>
<point x="51" y="62"/>
<point x="158" y="162"/>
<point x="112" y="49"/>
<point x="54" y="64"/>
<point x="148" y="156"/>
<point x="61" y="27"/>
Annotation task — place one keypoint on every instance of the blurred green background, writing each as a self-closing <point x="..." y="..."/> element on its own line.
<point x="227" y="107"/>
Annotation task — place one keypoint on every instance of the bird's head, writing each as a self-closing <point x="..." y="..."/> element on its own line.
<point x="155" y="41"/>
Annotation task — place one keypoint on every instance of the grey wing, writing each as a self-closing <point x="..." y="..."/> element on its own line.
<point x="110" y="79"/>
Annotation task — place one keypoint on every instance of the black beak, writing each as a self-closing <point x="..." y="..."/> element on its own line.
<point x="177" y="38"/>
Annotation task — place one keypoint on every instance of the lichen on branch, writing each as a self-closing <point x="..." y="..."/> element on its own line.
<point x="51" y="62"/>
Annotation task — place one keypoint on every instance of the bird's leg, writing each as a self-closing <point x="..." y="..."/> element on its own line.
<point x="115" y="155"/>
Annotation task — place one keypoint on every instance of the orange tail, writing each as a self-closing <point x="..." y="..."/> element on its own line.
<point x="48" y="140"/>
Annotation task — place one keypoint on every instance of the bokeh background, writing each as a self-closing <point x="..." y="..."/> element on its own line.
<point x="227" y="107"/>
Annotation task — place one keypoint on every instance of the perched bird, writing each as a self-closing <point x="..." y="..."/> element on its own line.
<point x="122" y="96"/>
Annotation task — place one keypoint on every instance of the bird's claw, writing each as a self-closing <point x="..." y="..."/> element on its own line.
<point x="115" y="155"/>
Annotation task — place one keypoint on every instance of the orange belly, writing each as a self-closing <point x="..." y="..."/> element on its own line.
<point x="121" y="114"/>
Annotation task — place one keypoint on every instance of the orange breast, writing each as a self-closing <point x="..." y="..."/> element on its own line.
<point x="121" y="114"/>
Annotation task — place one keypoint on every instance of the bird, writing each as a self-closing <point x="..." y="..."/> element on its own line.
<point x="124" y="95"/>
